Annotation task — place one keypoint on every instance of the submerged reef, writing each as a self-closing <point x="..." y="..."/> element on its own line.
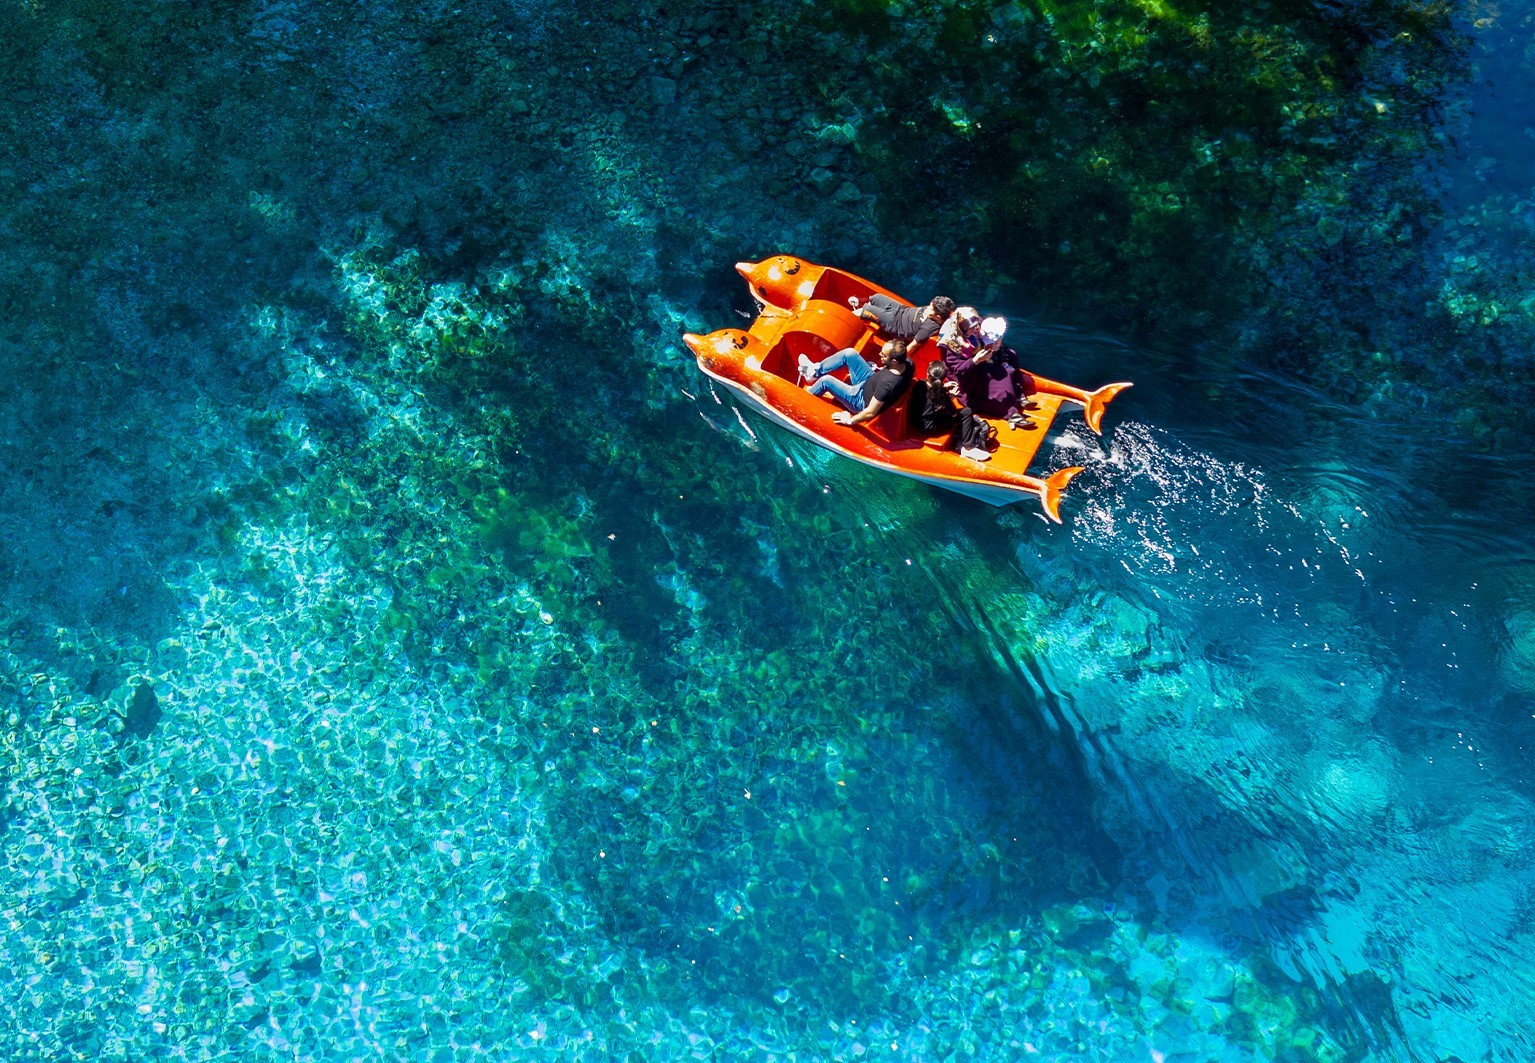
<point x="444" y="755"/>
<point x="1290" y="162"/>
<point x="405" y="653"/>
<point x="1287" y="161"/>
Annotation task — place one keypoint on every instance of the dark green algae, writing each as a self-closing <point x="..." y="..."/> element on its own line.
<point x="1245" y="184"/>
<point x="1253" y="181"/>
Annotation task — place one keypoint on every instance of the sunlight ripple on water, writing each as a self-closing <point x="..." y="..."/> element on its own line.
<point x="1299" y="728"/>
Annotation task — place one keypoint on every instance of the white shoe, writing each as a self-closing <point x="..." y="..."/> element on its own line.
<point x="975" y="454"/>
<point x="807" y="370"/>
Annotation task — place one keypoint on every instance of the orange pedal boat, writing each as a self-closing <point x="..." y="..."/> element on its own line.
<point x="803" y="309"/>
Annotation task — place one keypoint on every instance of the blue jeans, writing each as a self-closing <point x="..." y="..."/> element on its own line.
<point x="858" y="370"/>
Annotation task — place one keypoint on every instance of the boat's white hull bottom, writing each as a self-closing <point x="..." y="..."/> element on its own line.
<point x="993" y="494"/>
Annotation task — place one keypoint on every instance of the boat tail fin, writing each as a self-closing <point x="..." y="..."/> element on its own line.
<point x="1051" y="488"/>
<point x="1097" y="401"/>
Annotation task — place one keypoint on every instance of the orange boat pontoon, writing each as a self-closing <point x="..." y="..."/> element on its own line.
<point x="803" y="309"/>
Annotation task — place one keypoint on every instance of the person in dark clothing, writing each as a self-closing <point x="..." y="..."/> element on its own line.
<point x="991" y="379"/>
<point x="933" y="412"/>
<point x="867" y="390"/>
<point x="914" y="324"/>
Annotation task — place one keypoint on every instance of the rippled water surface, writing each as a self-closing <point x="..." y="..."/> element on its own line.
<point x="406" y="653"/>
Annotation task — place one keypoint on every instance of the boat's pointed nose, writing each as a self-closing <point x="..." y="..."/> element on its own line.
<point x="745" y="269"/>
<point x="694" y="341"/>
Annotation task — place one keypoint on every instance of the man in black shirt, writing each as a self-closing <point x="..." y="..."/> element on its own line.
<point x="867" y="390"/>
<point x="914" y="324"/>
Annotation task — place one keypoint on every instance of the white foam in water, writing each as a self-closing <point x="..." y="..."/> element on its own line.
<point x="1196" y="526"/>
<point x="1143" y="479"/>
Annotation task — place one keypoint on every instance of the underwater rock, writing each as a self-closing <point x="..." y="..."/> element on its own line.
<point x="823" y="180"/>
<point x="1263" y="871"/>
<point x="143" y="713"/>
<point x="1452" y="1034"/>
<point x="849" y="192"/>
<point x="1211" y="978"/>
<point x="308" y="966"/>
<point x="663" y="90"/>
<point x="1351" y="789"/>
<point x="1060" y="920"/>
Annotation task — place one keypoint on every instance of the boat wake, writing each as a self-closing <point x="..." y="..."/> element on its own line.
<point x="1194" y="528"/>
<point x="1257" y="669"/>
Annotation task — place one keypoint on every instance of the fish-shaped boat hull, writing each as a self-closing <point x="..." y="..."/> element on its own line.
<point x="803" y="309"/>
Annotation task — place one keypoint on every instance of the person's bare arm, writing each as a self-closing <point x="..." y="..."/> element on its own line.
<point x="868" y="413"/>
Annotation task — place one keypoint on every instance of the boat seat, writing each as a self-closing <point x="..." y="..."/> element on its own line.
<point x="835" y="287"/>
<point x="889" y="426"/>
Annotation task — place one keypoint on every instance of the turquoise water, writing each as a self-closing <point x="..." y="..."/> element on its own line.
<point x="407" y="654"/>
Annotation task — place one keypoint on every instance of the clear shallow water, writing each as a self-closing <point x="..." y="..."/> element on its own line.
<point x="1300" y="704"/>
<point x="483" y="730"/>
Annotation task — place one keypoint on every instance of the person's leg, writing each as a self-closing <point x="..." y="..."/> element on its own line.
<point x="1019" y="385"/>
<point x="850" y="395"/>
<point x="810" y="370"/>
<point x="858" y="369"/>
<point x="879" y="308"/>
<point x="991" y="391"/>
<point x="1014" y="415"/>
<point x="959" y="438"/>
<point x="975" y="437"/>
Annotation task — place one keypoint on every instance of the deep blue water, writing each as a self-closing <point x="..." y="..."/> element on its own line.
<point x="407" y="654"/>
<point x="1291" y="691"/>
